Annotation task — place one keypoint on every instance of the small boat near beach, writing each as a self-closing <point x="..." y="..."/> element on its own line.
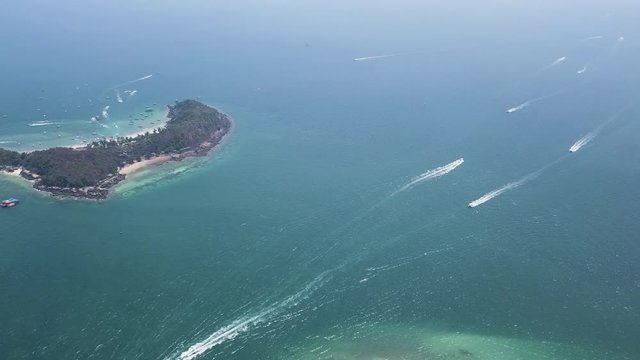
<point x="9" y="203"/>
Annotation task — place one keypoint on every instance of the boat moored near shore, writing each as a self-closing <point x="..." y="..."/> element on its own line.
<point x="9" y="203"/>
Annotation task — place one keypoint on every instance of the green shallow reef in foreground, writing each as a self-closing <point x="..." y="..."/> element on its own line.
<point x="411" y="343"/>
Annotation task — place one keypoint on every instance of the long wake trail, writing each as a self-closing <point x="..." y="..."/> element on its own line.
<point x="531" y="102"/>
<point x="428" y="175"/>
<point x="591" y="135"/>
<point x="513" y="185"/>
<point x="270" y="313"/>
<point x="118" y="86"/>
<point x="555" y="63"/>
<point x="383" y="56"/>
<point x="251" y="320"/>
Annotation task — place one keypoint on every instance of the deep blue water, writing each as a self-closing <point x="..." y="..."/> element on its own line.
<point x="285" y="243"/>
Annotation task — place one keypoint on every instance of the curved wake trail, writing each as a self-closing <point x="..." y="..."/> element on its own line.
<point x="249" y="321"/>
<point x="431" y="174"/>
<point x="270" y="313"/>
<point x="512" y="185"/>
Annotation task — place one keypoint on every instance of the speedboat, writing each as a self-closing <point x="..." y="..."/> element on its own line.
<point x="9" y="202"/>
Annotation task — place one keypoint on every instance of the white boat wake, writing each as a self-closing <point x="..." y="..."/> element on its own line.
<point x="510" y="186"/>
<point x="555" y="63"/>
<point x="495" y="193"/>
<point x="431" y="174"/>
<point x="131" y="92"/>
<point x="530" y="102"/>
<point x="590" y="136"/>
<point x="247" y="322"/>
<point x="583" y="70"/>
<point x="134" y="81"/>
<point x="582" y="142"/>
<point x="117" y="87"/>
<point x="43" y="123"/>
<point x="381" y="56"/>
<point x="520" y="107"/>
<point x="118" y="97"/>
<point x="596" y="37"/>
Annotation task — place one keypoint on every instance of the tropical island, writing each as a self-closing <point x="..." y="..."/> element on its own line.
<point x="92" y="171"/>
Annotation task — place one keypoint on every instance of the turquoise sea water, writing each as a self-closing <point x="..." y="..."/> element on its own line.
<point x="287" y="243"/>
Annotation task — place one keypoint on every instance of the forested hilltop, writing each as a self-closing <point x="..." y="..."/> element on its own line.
<point x="193" y="129"/>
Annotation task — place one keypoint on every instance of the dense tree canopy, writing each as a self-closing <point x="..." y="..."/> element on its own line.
<point x="191" y="124"/>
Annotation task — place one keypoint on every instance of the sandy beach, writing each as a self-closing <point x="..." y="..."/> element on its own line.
<point x="128" y="169"/>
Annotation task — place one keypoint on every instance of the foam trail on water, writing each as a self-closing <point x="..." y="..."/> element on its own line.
<point x="583" y="70"/>
<point x="118" y="96"/>
<point x="510" y="186"/>
<point x="520" y="107"/>
<point x="530" y="102"/>
<point x="133" y="81"/>
<point x="495" y="193"/>
<point x="43" y="123"/>
<point x="127" y="83"/>
<point x="596" y="37"/>
<point x="381" y="56"/>
<point x="582" y="142"/>
<point x="590" y="136"/>
<point x="431" y="174"/>
<point x="131" y="92"/>
<point x="557" y="62"/>
<point x="247" y="322"/>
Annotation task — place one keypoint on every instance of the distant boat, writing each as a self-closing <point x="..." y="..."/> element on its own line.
<point x="9" y="203"/>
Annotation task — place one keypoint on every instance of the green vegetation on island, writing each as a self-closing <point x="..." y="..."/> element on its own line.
<point x="193" y="129"/>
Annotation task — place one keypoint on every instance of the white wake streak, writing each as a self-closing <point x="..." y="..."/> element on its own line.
<point x="582" y="142"/>
<point x="596" y="37"/>
<point x="118" y="96"/>
<point x="431" y="174"/>
<point x="381" y="56"/>
<point x="43" y="123"/>
<point x="495" y="193"/>
<point x="530" y="102"/>
<point x="134" y="81"/>
<point x="245" y="323"/>
<point x="116" y="87"/>
<point x="520" y="107"/>
<point x="510" y="186"/>
<point x="590" y="136"/>
<point x="557" y="62"/>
